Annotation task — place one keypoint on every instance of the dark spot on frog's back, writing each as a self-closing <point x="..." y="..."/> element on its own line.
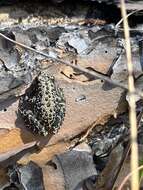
<point x="43" y="105"/>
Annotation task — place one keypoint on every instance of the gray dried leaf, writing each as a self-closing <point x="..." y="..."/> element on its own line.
<point x="106" y="179"/>
<point x="78" y="43"/>
<point x="28" y="177"/>
<point x="76" y="166"/>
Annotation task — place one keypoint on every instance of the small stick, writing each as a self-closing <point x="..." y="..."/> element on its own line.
<point x="92" y="73"/>
<point x="78" y="67"/>
<point x="132" y="103"/>
<point x="128" y="176"/>
<point x="121" y="20"/>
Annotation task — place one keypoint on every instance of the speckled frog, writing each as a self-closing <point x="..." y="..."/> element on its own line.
<point x="43" y="105"/>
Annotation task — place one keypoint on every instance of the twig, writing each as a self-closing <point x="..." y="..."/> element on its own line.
<point x="121" y="20"/>
<point x="132" y="103"/>
<point x="92" y="73"/>
<point x="127" y="150"/>
<point x="78" y="67"/>
<point x="133" y="29"/>
<point x="128" y="176"/>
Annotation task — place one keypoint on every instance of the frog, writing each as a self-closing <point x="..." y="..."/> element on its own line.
<point x="43" y="105"/>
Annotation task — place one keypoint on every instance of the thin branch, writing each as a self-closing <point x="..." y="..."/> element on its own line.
<point x="92" y="73"/>
<point x="128" y="176"/>
<point x="121" y="20"/>
<point x="128" y="148"/>
<point x="77" y="67"/>
<point x="132" y="103"/>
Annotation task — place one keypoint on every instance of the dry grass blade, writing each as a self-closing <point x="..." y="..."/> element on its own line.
<point x="128" y="176"/>
<point x="127" y="150"/>
<point x="132" y="103"/>
<point x="120" y="21"/>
